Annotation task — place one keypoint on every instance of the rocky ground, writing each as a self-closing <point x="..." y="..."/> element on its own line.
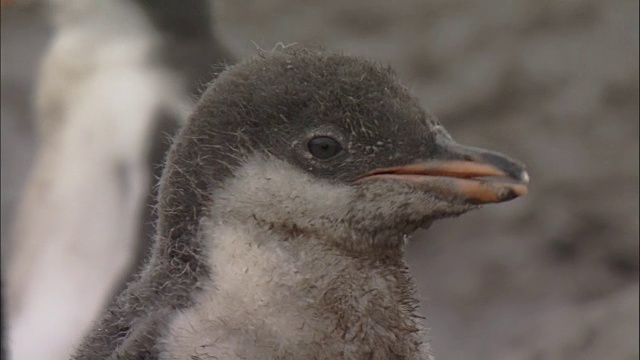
<point x="553" y="83"/>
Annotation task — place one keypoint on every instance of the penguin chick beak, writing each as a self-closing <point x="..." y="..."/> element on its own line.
<point x="474" y="175"/>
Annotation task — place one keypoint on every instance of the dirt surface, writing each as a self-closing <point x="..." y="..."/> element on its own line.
<point x="553" y="83"/>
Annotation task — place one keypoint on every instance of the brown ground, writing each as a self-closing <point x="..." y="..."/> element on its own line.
<point x="554" y="83"/>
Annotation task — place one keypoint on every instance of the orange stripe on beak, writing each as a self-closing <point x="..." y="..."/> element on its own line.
<point x="475" y="182"/>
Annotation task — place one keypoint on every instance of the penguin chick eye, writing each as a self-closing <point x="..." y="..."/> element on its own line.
<point x="324" y="147"/>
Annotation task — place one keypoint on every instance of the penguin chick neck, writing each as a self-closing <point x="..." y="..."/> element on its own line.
<point x="290" y="277"/>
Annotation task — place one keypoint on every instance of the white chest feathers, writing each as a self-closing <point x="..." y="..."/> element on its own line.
<point x="271" y="298"/>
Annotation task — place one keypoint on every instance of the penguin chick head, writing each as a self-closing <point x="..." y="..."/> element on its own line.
<point x="330" y="145"/>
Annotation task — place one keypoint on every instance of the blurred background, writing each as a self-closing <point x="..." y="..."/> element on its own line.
<point x="553" y="83"/>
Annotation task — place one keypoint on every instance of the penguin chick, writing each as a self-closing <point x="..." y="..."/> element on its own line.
<point x="284" y="209"/>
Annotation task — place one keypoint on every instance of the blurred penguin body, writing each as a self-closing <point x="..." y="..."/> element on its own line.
<point x="106" y="107"/>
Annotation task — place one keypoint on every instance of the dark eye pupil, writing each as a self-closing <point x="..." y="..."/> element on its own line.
<point x="324" y="147"/>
